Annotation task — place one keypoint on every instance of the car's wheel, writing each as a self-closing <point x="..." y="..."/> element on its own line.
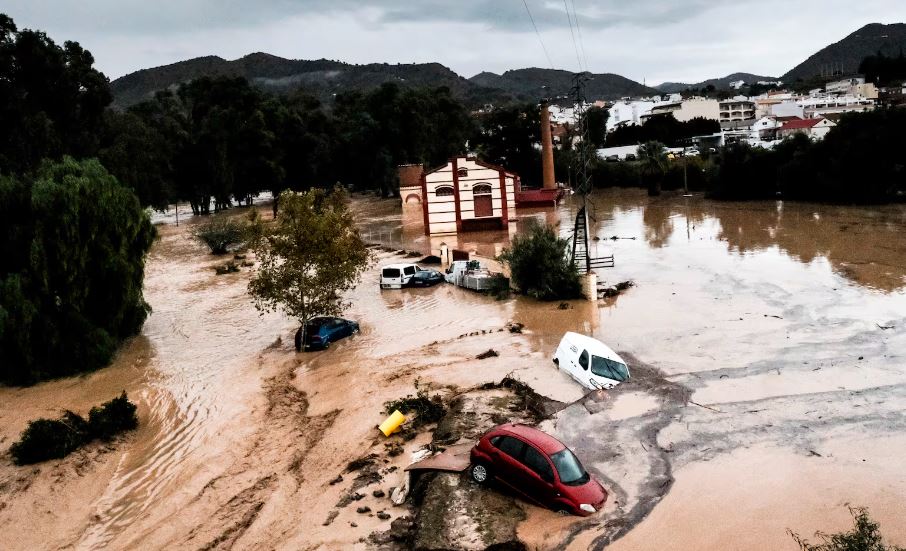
<point x="480" y="472"/>
<point x="326" y="344"/>
<point x="563" y="512"/>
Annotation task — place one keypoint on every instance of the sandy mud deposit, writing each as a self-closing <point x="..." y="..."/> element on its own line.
<point x="767" y="344"/>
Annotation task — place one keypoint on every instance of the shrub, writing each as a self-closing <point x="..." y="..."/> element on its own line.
<point x="220" y="233"/>
<point x="539" y="266"/>
<point x="865" y="536"/>
<point x="45" y="439"/>
<point x="117" y="415"/>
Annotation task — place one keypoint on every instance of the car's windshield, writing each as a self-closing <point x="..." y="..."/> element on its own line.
<point x="568" y="467"/>
<point x="602" y="367"/>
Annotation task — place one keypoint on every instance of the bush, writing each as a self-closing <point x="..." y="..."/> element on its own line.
<point x="539" y="266"/>
<point x="46" y="439"/>
<point x="117" y="415"/>
<point x="865" y="536"/>
<point x="220" y="233"/>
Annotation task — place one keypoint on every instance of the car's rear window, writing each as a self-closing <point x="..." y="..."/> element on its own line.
<point x="391" y="272"/>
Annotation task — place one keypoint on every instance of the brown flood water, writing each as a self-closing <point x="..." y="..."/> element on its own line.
<point x="770" y="314"/>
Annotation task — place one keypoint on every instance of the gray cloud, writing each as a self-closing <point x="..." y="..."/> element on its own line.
<point x="171" y="16"/>
<point x="652" y="40"/>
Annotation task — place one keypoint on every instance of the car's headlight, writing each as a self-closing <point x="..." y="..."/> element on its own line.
<point x="587" y="508"/>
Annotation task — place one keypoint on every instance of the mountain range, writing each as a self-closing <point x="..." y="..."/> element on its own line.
<point x="324" y="78"/>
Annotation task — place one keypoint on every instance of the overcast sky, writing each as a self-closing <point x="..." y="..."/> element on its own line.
<point x="650" y="40"/>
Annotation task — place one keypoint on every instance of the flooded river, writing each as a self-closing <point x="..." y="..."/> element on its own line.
<point x="785" y="322"/>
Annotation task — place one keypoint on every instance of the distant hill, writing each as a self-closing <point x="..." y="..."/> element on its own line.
<point x="533" y="84"/>
<point x="718" y="83"/>
<point x="846" y="55"/>
<point x="323" y="78"/>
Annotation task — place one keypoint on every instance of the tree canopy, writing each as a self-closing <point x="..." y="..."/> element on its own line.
<point x="52" y="100"/>
<point x="71" y="280"/>
<point x="539" y="266"/>
<point x="310" y="256"/>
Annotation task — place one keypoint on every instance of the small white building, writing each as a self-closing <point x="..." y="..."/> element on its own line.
<point x="815" y="129"/>
<point x="625" y="113"/>
<point x="468" y="194"/>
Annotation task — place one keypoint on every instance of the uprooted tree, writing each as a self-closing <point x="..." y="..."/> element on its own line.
<point x="309" y="257"/>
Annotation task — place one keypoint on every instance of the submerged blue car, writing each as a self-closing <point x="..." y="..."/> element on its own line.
<point x="318" y="333"/>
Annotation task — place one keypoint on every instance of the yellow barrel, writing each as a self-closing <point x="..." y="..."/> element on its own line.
<point x="392" y="423"/>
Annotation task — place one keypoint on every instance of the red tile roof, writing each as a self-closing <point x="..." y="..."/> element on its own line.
<point x="800" y="124"/>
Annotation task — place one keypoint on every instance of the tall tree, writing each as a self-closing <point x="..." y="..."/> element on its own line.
<point x="310" y="257"/>
<point x="52" y="100"/>
<point x="653" y="159"/>
<point x="71" y="280"/>
<point x="509" y="137"/>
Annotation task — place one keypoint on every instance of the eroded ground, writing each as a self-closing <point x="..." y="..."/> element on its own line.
<point x="766" y="343"/>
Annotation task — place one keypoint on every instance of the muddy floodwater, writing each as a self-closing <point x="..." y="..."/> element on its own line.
<point x="767" y="343"/>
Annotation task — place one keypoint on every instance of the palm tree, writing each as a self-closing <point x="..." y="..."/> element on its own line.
<point x="653" y="162"/>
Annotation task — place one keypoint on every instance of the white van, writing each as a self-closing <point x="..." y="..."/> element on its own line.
<point x="590" y="362"/>
<point x="397" y="276"/>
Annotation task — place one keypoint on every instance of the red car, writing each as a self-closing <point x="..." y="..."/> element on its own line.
<point x="537" y="466"/>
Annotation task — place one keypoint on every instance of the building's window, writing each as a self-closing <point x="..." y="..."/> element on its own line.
<point x="443" y="191"/>
<point x="482" y="189"/>
<point x="462" y="172"/>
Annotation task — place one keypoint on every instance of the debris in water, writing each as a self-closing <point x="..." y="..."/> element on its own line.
<point x="884" y="327"/>
<point x="392" y="423"/>
<point x="383" y="516"/>
<point x="490" y="353"/>
<point x="564" y="306"/>
<point x="330" y="517"/>
<point x="363" y="510"/>
<point x="336" y="480"/>
<point x="608" y="292"/>
<point x="378" y="493"/>
<point x="515" y="327"/>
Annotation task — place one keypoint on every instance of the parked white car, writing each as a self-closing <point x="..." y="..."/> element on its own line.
<point x="590" y="362"/>
<point x="397" y="276"/>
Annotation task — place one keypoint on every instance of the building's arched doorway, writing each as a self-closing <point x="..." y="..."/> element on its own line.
<point x="484" y="206"/>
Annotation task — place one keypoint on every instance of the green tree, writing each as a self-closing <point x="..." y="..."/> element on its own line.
<point x="539" y="266"/>
<point x="52" y="100"/>
<point x="509" y="137"/>
<point x="653" y="163"/>
<point x="310" y="256"/>
<point x="596" y="119"/>
<point x="71" y="279"/>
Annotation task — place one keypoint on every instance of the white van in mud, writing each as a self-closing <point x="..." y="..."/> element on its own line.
<point x="397" y="276"/>
<point x="590" y="362"/>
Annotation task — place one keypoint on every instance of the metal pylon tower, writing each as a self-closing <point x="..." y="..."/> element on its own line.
<point x="581" y="253"/>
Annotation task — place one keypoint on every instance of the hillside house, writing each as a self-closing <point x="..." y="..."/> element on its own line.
<point x="467" y="194"/>
<point x="815" y="129"/>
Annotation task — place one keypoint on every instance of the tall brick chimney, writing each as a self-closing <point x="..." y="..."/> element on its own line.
<point x="547" y="149"/>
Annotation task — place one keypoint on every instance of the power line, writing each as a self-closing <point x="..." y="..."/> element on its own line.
<point x="579" y="32"/>
<point x="540" y="40"/>
<point x="572" y="34"/>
